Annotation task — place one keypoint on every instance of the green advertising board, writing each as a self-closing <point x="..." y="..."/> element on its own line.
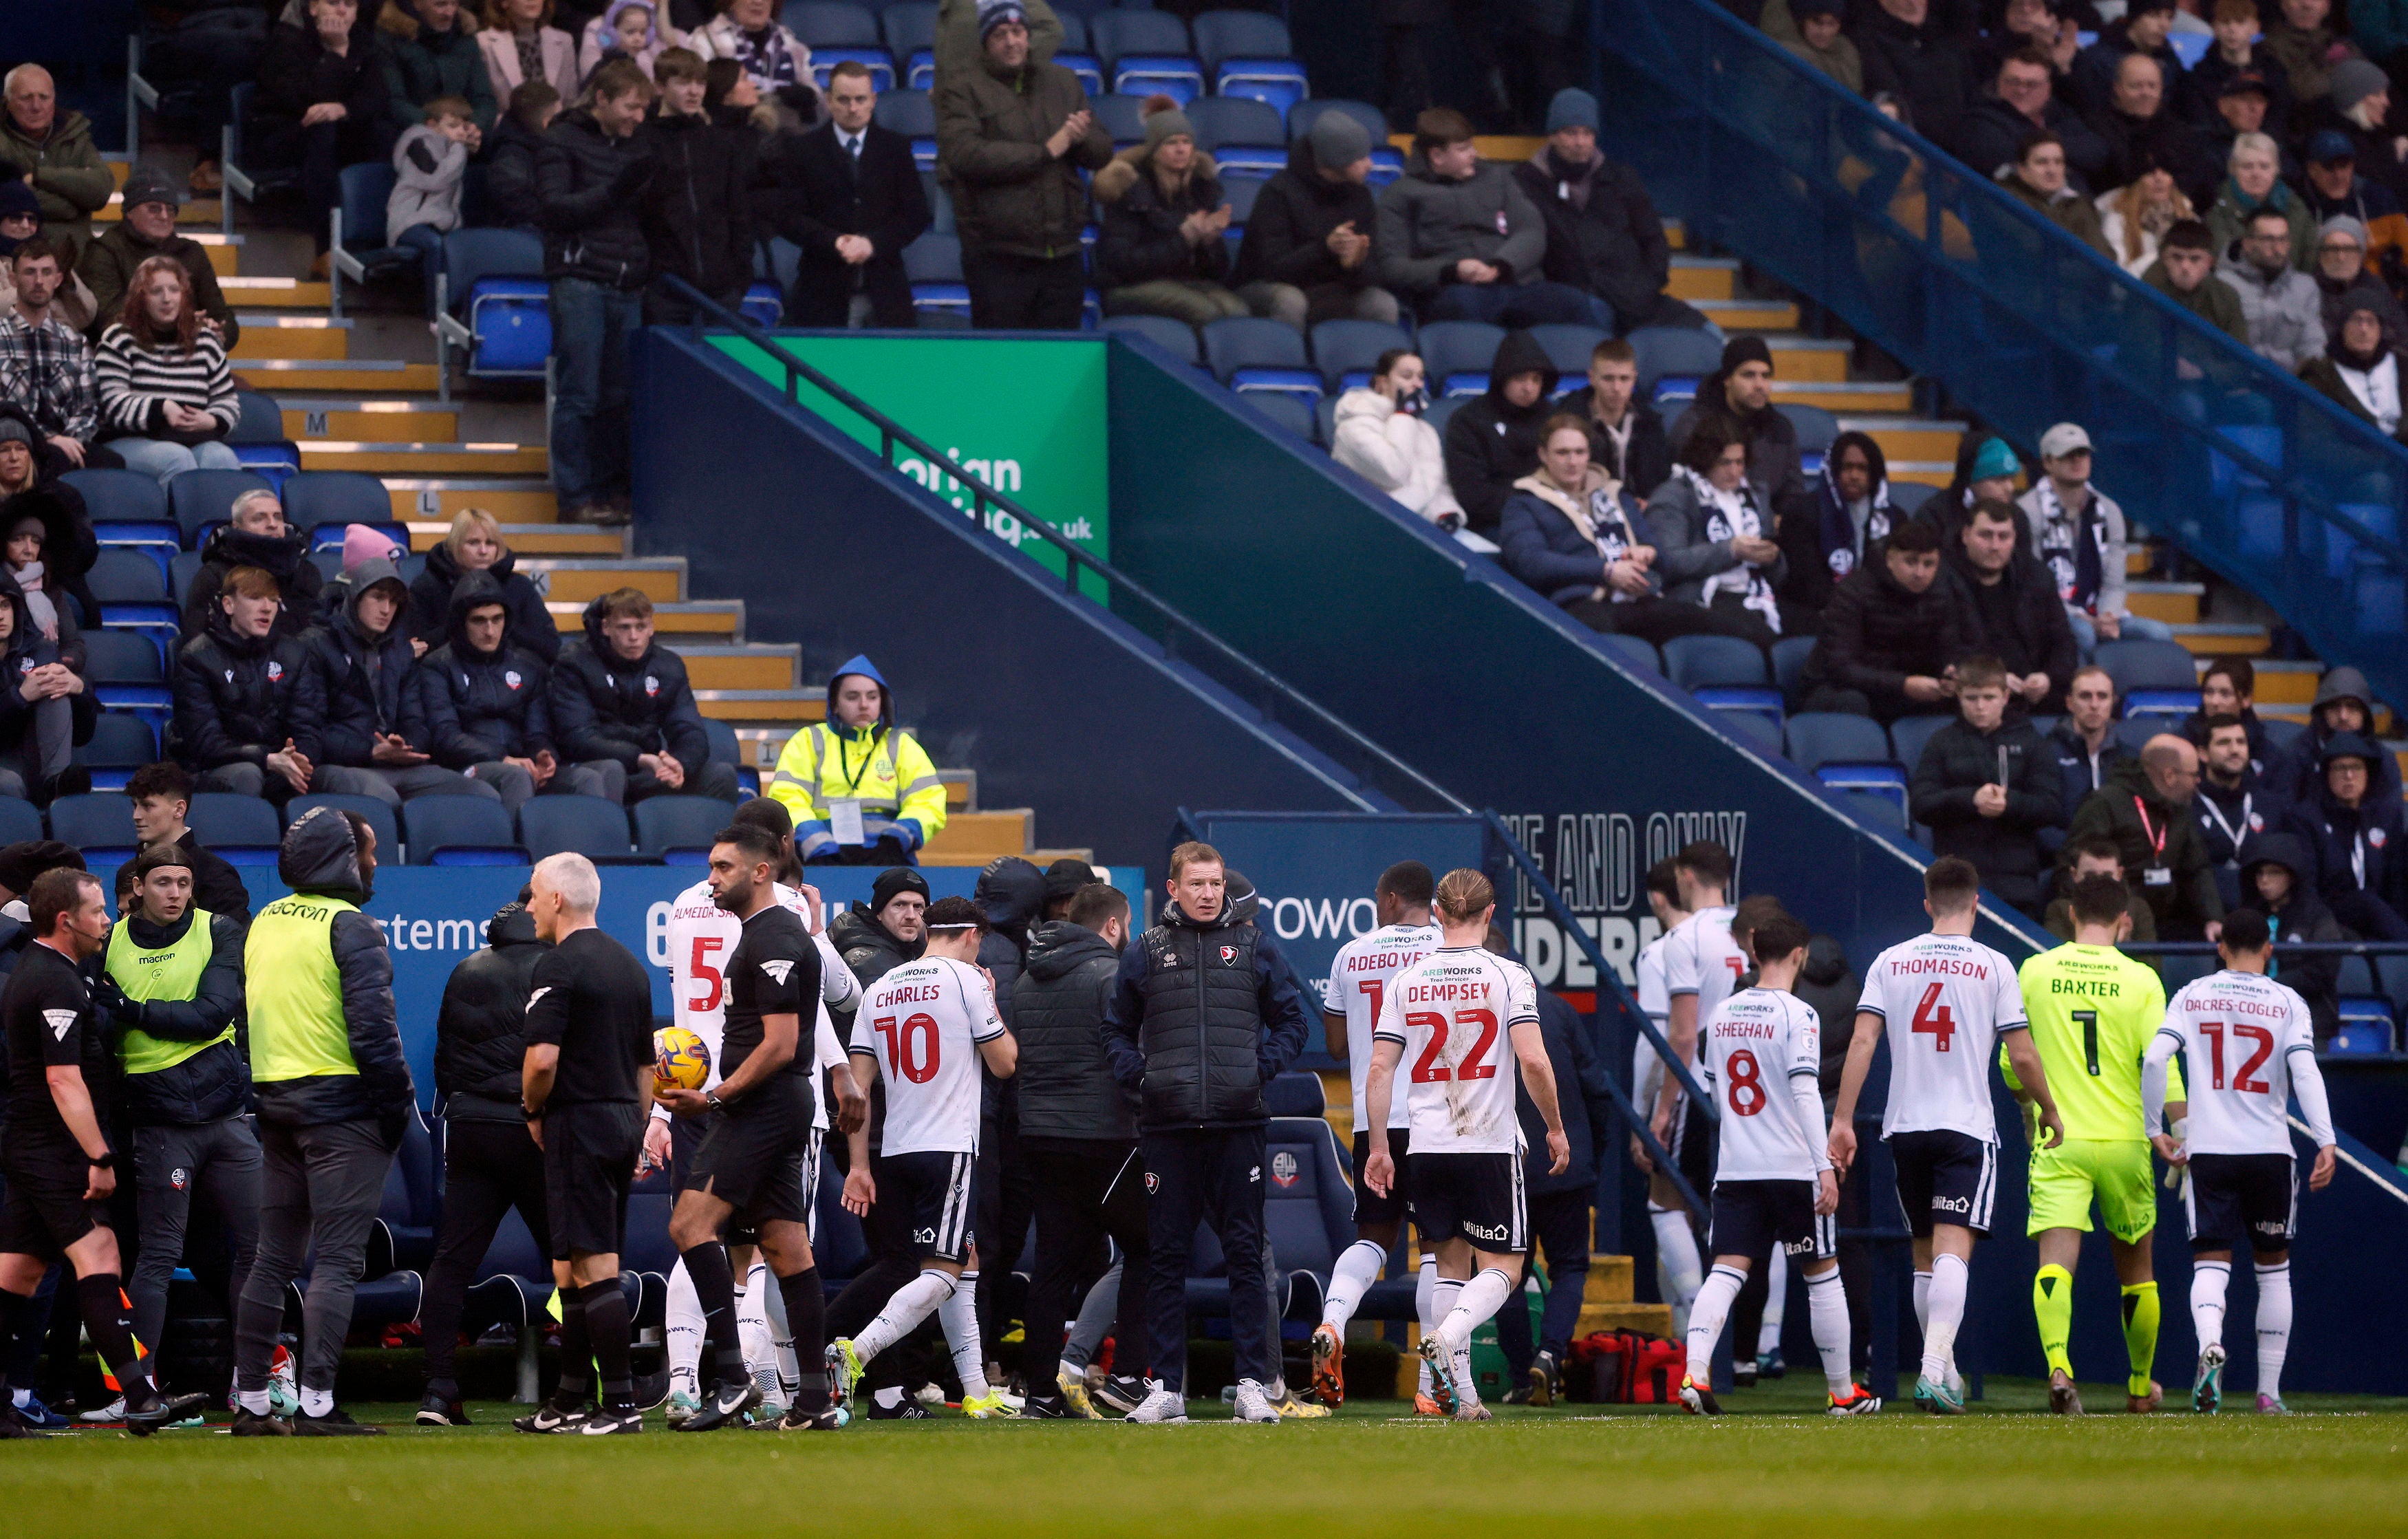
<point x="1026" y="417"/>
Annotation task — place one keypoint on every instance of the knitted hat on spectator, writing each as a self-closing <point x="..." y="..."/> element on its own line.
<point x="994" y="13"/>
<point x="1571" y="108"/>
<point x="2354" y="80"/>
<point x="1337" y="141"/>
<point x="1066" y="876"/>
<point x="1164" y="122"/>
<point x="365" y="542"/>
<point x="2345" y="224"/>
<point x="148" y="186"/>
<point x="892" y="881"/>
<point x="2330" y="147"/>
<point x="1745" y="350"/>
<point x="21" y="862"/>
<point x="17" y="200"/>
<point x="1995" y="458"/>
<point x="11" y="429"/>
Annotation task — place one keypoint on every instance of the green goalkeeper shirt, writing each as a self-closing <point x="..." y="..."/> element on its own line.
<point x="2093" y="1011"/>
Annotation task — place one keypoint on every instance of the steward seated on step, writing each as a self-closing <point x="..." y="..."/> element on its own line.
<point x="863" y="791"/>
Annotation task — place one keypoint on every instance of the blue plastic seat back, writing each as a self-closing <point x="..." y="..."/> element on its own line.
<point x="1341" y="346"/>
<point x="1817" y="428"/>
<point x="1236" y="120"/>
<point x="1458" y="347"/>
<point x="97" y="819"/>
<point x="1115" y="34"/>
<point x="1277" y="84"/>
<point x="934" y="259"/>
<point x="910" y="113"/>
<point x="200" y="497"/>
<point x="1816" y="738"/>
<point x="378" y="814"/>
<point x="1177" y="337"/>
<point x="593" y="827"/>
<point x="120" y="497"/>
<point x="829" y="24"/>
<point x="261" y="419"/>
<point x="223" y="819"/>
<point x="21" y="820"/>
<point x="472" y="256"/>
<point x="367" y="186"/>
<point x="908" y="26"/>
<point x="1908" y="735"/>
<point x="1673" y="349"/>
<point x="673" y="823"/>
<point x="1247" y="341"/>
<point x="1290" y="410"/>
<point x="121" y="657"/>
<point x="2137" y="664"/>
<point x="469" y="827"/>
<point x="1228" y="33"/>
<point x="1696" y="662"/>
<point x="1089" y="69"/>
<point x="316" y="498"/>
<point x="1171" y="75"/>
<point x="1789" y="656"/>
<point x="1567" y="348"/>
<point x="1241" y="188"/>
<point x="1634" y="652"/>
<point x="121" y="576"/>
<point x="120" y="741"/>
<point x="1120" y="115"/>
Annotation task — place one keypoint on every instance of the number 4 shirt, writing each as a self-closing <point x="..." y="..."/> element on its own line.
<point x="1944" y="1001"/>
<point x="923" y="1023"/>
<point x="1761" y="1052"/>
<point x="2248" y="1043"/>
<point x="1454" y="1012"/>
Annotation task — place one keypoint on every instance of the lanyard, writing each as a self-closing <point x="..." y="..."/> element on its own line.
<point x="868" y="759"/>
<point x="2207" y="804"/>
<point x="2156" y="836"/>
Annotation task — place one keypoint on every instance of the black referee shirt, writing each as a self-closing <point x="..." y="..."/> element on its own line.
<point x="774" y="970"/>
<point x="48" y="1017"/>
<point x="593" y="1000"/>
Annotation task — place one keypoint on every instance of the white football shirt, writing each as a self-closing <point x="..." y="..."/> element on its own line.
<point x="2237" y="1032"/>
<point x="1750" y="1050"/>
<point x="923" y="1023"/>
<point x="700" y="936"/>
<point x="1944" y="1001"/>
<point x="1454" y="1012"/>
<point x="1655" y="1001"/>
<point x="1357" y="986"/>
<point x="1702" y="958"/>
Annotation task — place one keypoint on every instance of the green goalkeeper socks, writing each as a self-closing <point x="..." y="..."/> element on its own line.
<point x="2052" y="1306"/>
<point x="2140" y="1333"/>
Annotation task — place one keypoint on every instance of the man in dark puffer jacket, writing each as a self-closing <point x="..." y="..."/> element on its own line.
<point x="1493" y="441"/>
<point x="697" y="212"/>
<point x="621" y="705"/>
<point x="483" y="699"/>
<point x="1974" y="811"/>
<point x="1011" y="892"/>
<point x="258" y="536"/>
<point x="1288" y="267"/>
<point x="357" y="715"/>
<point x="237" y="694"/>
<point x="1890" y="634"/>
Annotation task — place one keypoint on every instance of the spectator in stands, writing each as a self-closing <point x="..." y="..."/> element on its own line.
<point x="1922" y="58"/>
<point x="475" y="545"/>
<point x="1986" y="470"/>
<point x="2134" y="219"/>
<point x="2078" y="533"/>
<point x="2087" y="748"/>
<point x="2139" y="124"/>
<point x="697" y="209"/>
<point x="2039" y="181"/>
<point x="45" y="711"/>
<point x="430" y="167"/>
<point x="482" y="698"/>
<point x="1852" y="516"/>
<point x="1458" y="236"/>
<point x="2301" y="43"/>
<point x="774" y="59"/>
<point x="1822" y="44"/>
<point x="2358" y="838"/>
<point x="2234" y="23"/>
<point x="52" y="547"/>
<point x="2026" y="104"/>
<point x="428" y="49"/>
<point x="21" y="220"/>
<point x="2360" y="368"/>
<point x="621" y="705"/>
<point x="321" y="105"/>
<point x="2145" y="807"/>
<point x="161" y="795"/>
<point x="2242" y="108"/>
<point x="2342" y="704"/>
<point x="1713" y="534"/>
<point x="2095" y="856"/>
<point x="630" y="27"/>
<point x="2045" y="26"/>
<point x="879" y="936"/>
<point x="2332" y="188"/>
<point x="2359" y="108"/>
<point x="1382" y="436"/>
<point x="2228" y="686"/>
<point x="2277" y="876"/>
<point x="848" y="195"/>
<point x="1162" y="251"/>
<point x="147" y="230"/>
<point x="1492" y="441"/>
<point x="1891" y="636"/>
<point x="2254" y="187"/>
<point x="1987" y="785"/>
<point x="257" y="537"/>
<point x="1012" y="133"/>
<point x="863" y="792"/>
<point x="520" y="44"/>
<point x="1307" y="254"/>
<point x="44" y="366"/>
<point x="510" y="166"/>
<point x="357" y="716"/>
<point x="166" y="393"/>
<point x="2141" y="30"/>
<point x="2185" y="272"/>
<point x="1625" y="434"/>
<point x="1740" y="391"/>
<point x="1603" y="235"/>
<point x="2233" y="802"/>
<point x="52" y="151"/>
<point x="2016" y="614"/>
<point x="592" y="175"/>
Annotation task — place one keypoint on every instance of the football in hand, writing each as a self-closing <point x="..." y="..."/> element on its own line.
<point x="680" y="1060"/>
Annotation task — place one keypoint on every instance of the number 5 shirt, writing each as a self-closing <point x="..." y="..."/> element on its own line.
<point x="2093" y="1011"/>
<point x="1761" y="1053"/>
<point x="923" y="1023"/>
<point x="1454" y="1012"/>
<point x="1944" y="1001"/>
<point x="2249" y="1044"/>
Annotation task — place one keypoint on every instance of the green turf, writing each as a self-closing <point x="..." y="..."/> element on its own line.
<point x="2005" y="1469"/>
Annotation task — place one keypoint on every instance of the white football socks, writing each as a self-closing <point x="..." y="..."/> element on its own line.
<point x="781" y="1336"/>
<point x="959" y="1313"/>
<point x="1922" y="1302"/>
<point x="2209" y="1281"/>
<point x="1677" y="1258"/>
<point x="752" y="1333"/>
<point x="1425" y="1306"/>
<point x="681" y="1333"/>
<point x="1356" y="1269"/>
<point x="914" y="1302"/>
<point x="1776" y="1303"/>
<point x="2273" y="1325"/>
<point x="1945" y="1312"/>
<point x="1827" y="1307"/>
<point x="321" y="1402"/>
<point x="1707" y="1315"/>
<point x="1474" y="1304"/>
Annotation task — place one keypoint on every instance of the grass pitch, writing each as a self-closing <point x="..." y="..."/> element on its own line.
<point x="1770" y="1467"/>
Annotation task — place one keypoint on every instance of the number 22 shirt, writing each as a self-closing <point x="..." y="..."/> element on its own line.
<point x="1454" y="1013"/>
<point x="922" y="1022"/>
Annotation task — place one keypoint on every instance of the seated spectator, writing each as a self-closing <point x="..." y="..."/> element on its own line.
<point x="520" y="44"/>
<point x="1713" y="535"/>
<point x="430" y="166"/>
<point x="2139" y="125"/>
<point x="2087" y="748"/>
<point x="1382" y="436"/>
<point x="1460" y="240"/>
<point x="2342" y="704"/>
<point x="1921" y="58"/>
<point x="483" y="700"/>
<point x="2185" y="272"/>
<point x="1852" y="516"/>
<point x="2228" y="686"/>
<point x="629" y="27"/>
<point x="2359" y="108"/>
<point x="1012" y="133"/>
<point x="847" y="194"/>
<point x="2097" y="855"/>
<point x="2049" y="27"/>
<point x="1493" y="441"/>
<point x="475" y="545"/>
<point x="427" y="51"/>
<point x="1987" y="785"/>
<point x="863" y="792"/>
<point x="1625" y="434"/>
<point x="1569" y="532"/>
<point x="50" y="549"/>
<point x="2254" y="187"/>
<point x="238" y="690"/>
<point x="510" y="167"/>
<point x="2145" y="807"/>
<point x="1822" y="44"/>
<point x="1162" y="251"/>
<point x="1603" y="235"/>
<point x="2134" y="219"/>
<point x="2234" y="52"/>
<point x="2078" y="533"/>
<point x="107" y="265"/>
<point x="1891" y="636"/>
<point x="2301" y="41"/>
<point x="2242" y="106"/>
<point x="46" y="712"/>
<point x="2331" y="188"/>
<point x="257" y="537"/>
<point x="2233" y="802"/>
<point x="620" y="706"/>
<point x="53" y="153"/>
<point x="161" y="795"/>
<point x="2278" y="876"/>
<point x="1307" y="254"/>
<point x="321" y="105"/>
<point x="774" y="59"/>
<point x="21" y="220"/>
<point x="2038" y="182"/>
<point x="2026" y="104"/>
<point x="2016" y="614"/>
<point x="1740" y="392"/>
<point x="27" y="461"/>
<point x="166" y="392"/>
<point x="2361" y="370"/>
<point x="697" y="209"/>
<point x="2358" y="838"/>
<point x="1988" y="470"/>
<point x="2140" y="32"/>
<point x="45" y="366"/>
<point x="360" y="724"/>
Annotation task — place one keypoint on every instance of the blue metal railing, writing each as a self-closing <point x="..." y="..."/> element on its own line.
<point x="2246" y="469"/>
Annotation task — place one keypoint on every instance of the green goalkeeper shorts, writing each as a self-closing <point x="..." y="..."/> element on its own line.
<point x="2066" y="1176"/>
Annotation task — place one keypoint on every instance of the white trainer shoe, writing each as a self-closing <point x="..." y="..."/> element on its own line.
<point x="1253" y="1404"/>
<point x="1160" y="1405"/>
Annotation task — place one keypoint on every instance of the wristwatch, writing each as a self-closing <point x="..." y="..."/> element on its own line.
<point x="713" y="1102"/>
<point x="106" y="1160"/>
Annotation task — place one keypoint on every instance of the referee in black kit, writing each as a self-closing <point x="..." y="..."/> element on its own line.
<point x="589" y="1049"/>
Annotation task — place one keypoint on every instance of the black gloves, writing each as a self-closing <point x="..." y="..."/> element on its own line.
<point x="114" y="1003"/>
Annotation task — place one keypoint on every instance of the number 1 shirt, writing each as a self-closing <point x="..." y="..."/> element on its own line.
<point x="1452" y="1012"/>
<point x="2093" y="1011"/>
<point x="2237" y="1032"/>
<point x="1761" y="1052"/>
<point x="1944" y="1001"/>
<point x="923" y="1023"/>
<point x="1702" y="958"/>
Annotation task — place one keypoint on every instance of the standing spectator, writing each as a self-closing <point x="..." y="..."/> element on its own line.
<point x="2234" y="53"/>
<point x="2015" y="613"/>
<point x="1162" y="251"/>
<point x="1822" y="44"/>
<point x="237" y="684"/>
<point x="1603" y="236"/>
<point x="2277" y="876"/>
<point x="1920" y="58"/>
<point x="848" y="193"/>
<point x="2361" y="370"/>
<point x="1307" y="254"/>
<point x="2141" y="30"/>
<point x="2185" y="272"/>
<point x="1404" y="63"/>
<point x="1740" y="391"/>
<point x="1458" y="236"/>
<point x="430" y="168"/>
<point x="1890" y="634"/>
<point x="45" y="368"/>
<point x="2145" y="807"/>
<point x="428" y="49"/>
<point x="2078" y="533"/>
<point x="2358" y="838"/>
<point x="2301" y="43"/>
<point x="2342" y="277"/>
<point x="621" y="705"/>
<point x="863" y="792"/>
<point x="2134" y="219"/>
<point x="1987" y="785"/>
<point x="698" y="210"/>
<point x="2039" y="181"/>
<point x="2026" y="104"/>
<point x="2233" y="803"/>
<point x="2342" y="704"/>
<point x="166" y="394"/>
<point x="358" y="712"/>
<point x="1012" y="133"/>
<point x="2140" y="123"/>
<point x="46" y="711"/>
<point x="509" y="166"/>
<point x="53" y="153"/>
<point x="1493" y="441"/>
<point x="1713" y="535"/>
<point x="2087" y="748"/>
<point x="481" y="697"/>
<point x="520" y="44"/>
<point x="257" y="536"/>
<point x="591" y="178"/>
<point x="632" y="28"/>
<point x="1382" y="436"/>
<point x="2095" y="856"/>
<point x="321" y="105"/>
<point x="147" y="230"/>
<point x="475" y="545"/>
<point x="773" y="59"/>
<point x="161" y="795"/>
<point x="1625" y="434"/>
<point x="2255" y="186"/>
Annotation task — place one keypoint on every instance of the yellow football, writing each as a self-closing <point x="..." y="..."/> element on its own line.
<point x="680" y="1060"/>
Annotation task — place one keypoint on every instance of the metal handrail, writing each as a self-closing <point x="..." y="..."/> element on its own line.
<point x="984" y="495"/>
<point x="2281" y="948"/>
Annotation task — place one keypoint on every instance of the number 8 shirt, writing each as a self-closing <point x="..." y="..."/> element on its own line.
<point x="924" y="1022"/>
<point x="1753" y="1051"/>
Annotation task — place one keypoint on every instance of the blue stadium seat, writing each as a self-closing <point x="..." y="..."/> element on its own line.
<point x="1251" y="353"/>
<point x="764" y="303"/>
<point x="1724" y="673"/>
<point x="123" y="576"/>
<point x="363" y="247"/>
<point x="98" y="823"/>
<point x="1115" y="34"/>
<point x="1288" y="409"/>
<point x="259" y="419"/>
<point x="495" y="304"/>
<point x="1634" y="652"/>
<point x="378" y="813"/>
<point x="920" y="69"/>
<point x="1750" y="723"/>
<point x="21" y="820"/>
<point x="1457" y="347"/>
<point x="1340" y="347"/>
<point x="125" y="672"/>
<point x="673" y="824"/>
<point x="1908" y="734"/>
<point x="120" y="497"/>
<point x="1789" y="656"/>
<point x="1304" y="114"/>
<point x="1234" y="120"/>
<point x="1118" y="114"/>
<point x="202" y="498"/>
<point x="1089" y="69"/>
<point x="1871" y="810"/>
<point x="2365" y="1026"/>
<point x="829" y="24"/>
<point x="1682" y="351"/>
<point x="1909" y="495"/>
<point x="1279" y="84"/>
<point x="245" y="830"/>
<point x="1236" y="161"/>
<point x="880" y="67"/>
<point x="934" y="264"/>
<point x="1848" y="753"/>
<point x="776" y="261"/>
<point x="1567" y="348"/>
<point x="121" y="743"/>
<point x="460" y="830"/>
<point x="317" y="498"/>
<point x="1241" y="188"/>
<point x="2153" y="678"/>
<point x="593" y="827"/>
<point x="1176" y="337"/>
<point x="1294" y="1093"/>
<point x="1816" y="428"/>
<point x="908" y="27"/>
<point x="1171" y="75"/>
<point x="923" y="160"/>
<point x="910" y="113"/>
<point x="1231" y="34"/>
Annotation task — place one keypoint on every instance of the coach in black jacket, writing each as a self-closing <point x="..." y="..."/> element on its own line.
<point x="848" y="194"/>
<point x="698" y="211"/>
<point x="618" y="702"/>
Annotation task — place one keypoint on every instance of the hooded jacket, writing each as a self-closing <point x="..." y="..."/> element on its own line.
<point x="429" y="172"/>
<point x="478" y="707"/>
<point x="108" y="264"/>
<point x="604" y="707"/>
<point x="1141" y="242"/>
<point x="2301" y="916"/>
<point x="1398" y="452"/>
<point x="297" y="578"/>
<point x="1428" y="223"/>
<point x="2360" y="849"/>
<point x="237" y="698"/>
<point x="1926" y="65"/>
<point x="430" y="603"/>
<point x="880" y="765"/>
<point x="1823" y="550"/>
<point x="1202" y="1016"/>
<point x="1876" y="635"/>
<point x="421" y="63"/>
<point x="1065" y="1084"/>
<point x="1287" y="234"/>
<point x="355" y="687"/>
<point x="69" y="547"/>
<point x="510" y="148"/>
<point x="1830" y="985"/>
<point x="2297" y="772"/>
<point x="1009" y="195"/>
<point x="1582" y="1100"/>
<point x="698" y="210"/>
<point x="321" y="858"/>
<point x="1957" y="762"/>
<point x="217" y="886"/>
<point x="2183" y="902"/>
<point x="1560" y="544"/>
<point x="1603" y="236"/>
<point x="590" y="190"/>
<point x="1491" y="443"/>
<point x="869" y="948"/>
<point x="480" y="1055"/>
<point x="70" y="179"/>
<point x="1011" y="892"/>
<point x="213" y="1084"/>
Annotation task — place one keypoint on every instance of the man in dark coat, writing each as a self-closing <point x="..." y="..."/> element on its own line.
<point x="485" y="701"/>
<point x="1307" y="255"/>
<point x="357" y="713"/>
<point x="2234" y="805"/>
<point x="698" y="209"/>
<point x="2145" y="808"/>
<point x="1625" y="434"/>
<point x="1919" y="52"/>
<point x="161" y="795"/>
<point x="848" y="195"/>
<point x="1603" y="236"/>
<point x="2358" y="838"/>
<point x="2140" y="123"/>
<point x="2013" y="603"/>
<point x="2278" y="878"/>
<point x="257" y="536"/>
<point x="1493" y="441"/>
<point x="621" y="704"/>
<point x="1742" y="389"/>
<point x="1987" y="785"/>
<point x="147" y="230"/>
<point x="1010" y="893"/>
<point x="238" y="689"/>
<point x="2026" y="102"/>
<point x="1890" y="634"/>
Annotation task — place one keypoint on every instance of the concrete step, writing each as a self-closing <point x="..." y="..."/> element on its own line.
<point x="1923" y="472"/>
<point x="1655" y="1319"/>
<point x="759" y="665"/>
<point x="282" y="376"/>
<point x="580" y="580"/>
<point x="1802" y="360"/>
<point x="276" y="293"/>
<point x="430" y="498"/>
<point x="1694" y="278"/>
<point x="1845" y="399"/>
<point x="2286" y="683"/>
<point x="800" y="707"/>
<point x="2215" y="640"/>
<point x="532" y="540"/>
<point x="1676" y="234"/>
<point x="2175" y="603"/>
<point x="1910" y="440"/>
<point x="717" y="619"/>
<point x="426" y="459"/>
<point x="974" y="839"/>
<point x="225" y="258"/>
<point x="1612" y="1280"/>
<point x="1748" y="314"/>
<point x="763" y="744"/>
<point x="281" y="336"/>
<point x="369" y="421"/>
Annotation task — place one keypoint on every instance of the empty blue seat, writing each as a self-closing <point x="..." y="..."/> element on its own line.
<point x="1176" y="337"/>
<point x="21" y="820"/>
<point x="98" y="823"/>
<point x="120" y="497"/>
<point x="124" y="576"/>
<point x="1237" y="160"/>
<point x="934" y="264"/>
<point x="874" y="59"/>
<point x="666" y="824"/>
<point x="1234" y="120"/>
<point x="1789" y="656"/>
<point x="259" y="419"/>
<point x="460" y="830"/>
<point x="910" y="113"/>
<point x="1683" y="351"/>
<point x="1301" y="116"/>
<point x="920" y="69"/>
<point x="829" y="24"/>
<point x="1289" y="410"/>
<point x="908" y="27"/>
<point x="1873" y="810"/>
<point x="1695" y="661"/>
<point x="2146" y="665"/>
<point x="1817" y="428"/>
<point x="244" y="830"/>
<point x="1120" y="116"/>
<point x="1116" y="33"/>
<point x="1240" y="189"/>
<point x="1751" y="726"/>
<point x="1245" y="342"/>
<point x="496" y="305"/>
<point x="363" y="247"/>
<point x="764" y="303"/>
<point x="1568" y="347"/>
<point x="1089" y="69"/>
<point x="1340" y="347"/>
<point x="1817" y="738"/>
<point x="121" y="743"/>
<point x="593" y="827"/>
<point x="1457" y="347"/>
<point x="1634" y="652"/>
<point x="2365" y="1026"/>
<point x="316" y="498"/>
<point x="1172" y="75"/>
<point x="125" y="671"/>
<point x="198" y="499"/>
<point x="378" y="813"/>
<point x="1908" y="735"/>
<point x="1228" y="33"/>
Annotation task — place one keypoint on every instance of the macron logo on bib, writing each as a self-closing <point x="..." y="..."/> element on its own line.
<point x="778" y="970"/>
<point x="62" y="1022"/>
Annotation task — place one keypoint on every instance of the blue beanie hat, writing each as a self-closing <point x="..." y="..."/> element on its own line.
<point x="1995" y="458"/>
<point x="1571" y="108"/>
